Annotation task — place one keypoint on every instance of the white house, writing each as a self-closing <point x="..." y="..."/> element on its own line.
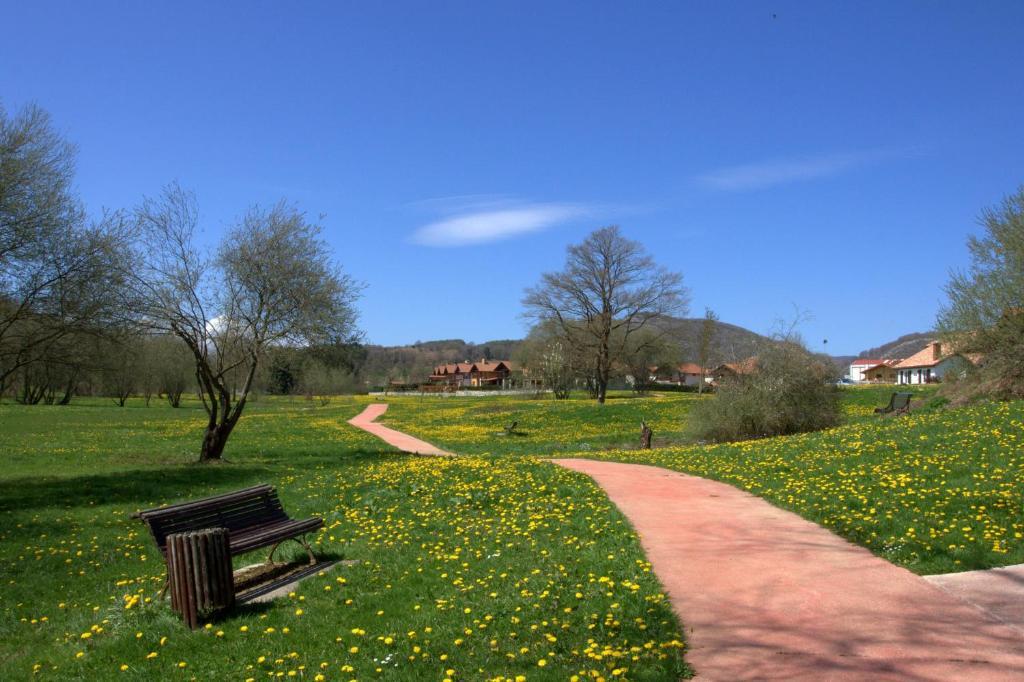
<point x="684" y="374"/>
<point x="858" y="366"/>
<point x="931" y="365"/>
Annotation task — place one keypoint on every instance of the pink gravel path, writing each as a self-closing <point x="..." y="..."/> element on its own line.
<point x="404" y="442"/>
<point x="766" y="595"/>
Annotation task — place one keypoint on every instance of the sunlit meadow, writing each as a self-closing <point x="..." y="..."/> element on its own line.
<point x="470" y="569"/>
<point x="493" y="566"/>
<point x="939" y="490"/>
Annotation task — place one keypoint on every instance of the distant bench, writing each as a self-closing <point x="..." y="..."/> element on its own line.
<point x="899" y="403"/>
<point x="253" y="517"/>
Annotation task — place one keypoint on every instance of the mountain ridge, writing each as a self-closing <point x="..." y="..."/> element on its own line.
<point x="413" y="362"/>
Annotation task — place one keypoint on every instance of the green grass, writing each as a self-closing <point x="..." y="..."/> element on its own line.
<point x="546" y="566"/>
<point x="475" y="568"/>
<point x="936" y="491"/>
<point x="475" y="425"/>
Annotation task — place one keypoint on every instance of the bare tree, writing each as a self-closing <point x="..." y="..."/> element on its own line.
<point x="547" y="357"/>
<point x="645" y="352"/>
<point x="122" y="375"/>
<point x="271" y="282"/>
<point x="609" y="290"/>
<point x="321" y="381"/>
<point x="175" y="369"/>
<point x="56" y="273"/>
<point x="147" y="367"/>
<point x="707" y="341"/>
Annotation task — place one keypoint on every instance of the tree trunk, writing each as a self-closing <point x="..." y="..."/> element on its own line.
<point x="601" y="381"/>
<point x="603" y="365"/>
<point x="214" y="440"/>
<point x="645" y="436"/>
<point x="222" y="416"/>
<point x="69" y="389"/>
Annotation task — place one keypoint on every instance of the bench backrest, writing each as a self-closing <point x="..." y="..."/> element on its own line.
<point x="247" y="508"/>
<point x="900" y="401"/>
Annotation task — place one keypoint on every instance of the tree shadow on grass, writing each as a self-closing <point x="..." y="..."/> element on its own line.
<point x="153" y="487"/>
<point x="144" y="487"/>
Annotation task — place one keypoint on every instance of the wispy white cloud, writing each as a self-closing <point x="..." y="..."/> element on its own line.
<point x="484" y="222"/>
<point x="785" y="171"/>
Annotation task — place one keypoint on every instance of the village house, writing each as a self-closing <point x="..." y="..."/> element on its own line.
<point x="860" y="365"/>
<point x="473" y="374"/>
<point x="733" y="369"/>
<point x="683" y="374"/>
<point x="931" y="365"/>
<point x="882" y="373"/>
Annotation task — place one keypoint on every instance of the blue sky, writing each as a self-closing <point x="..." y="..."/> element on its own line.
<point x="825" y="156"/>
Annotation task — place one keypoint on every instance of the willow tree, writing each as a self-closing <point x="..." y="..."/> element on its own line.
<point x="609" y="293"/>
<point x="271" y="282"/>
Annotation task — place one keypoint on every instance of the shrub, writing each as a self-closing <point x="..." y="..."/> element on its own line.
<point x="985" y="312"/>
<point x="791" y="391"/>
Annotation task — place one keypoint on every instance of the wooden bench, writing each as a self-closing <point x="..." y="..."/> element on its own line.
<point x="253" y="517"/>
<point x="899" y="403"/>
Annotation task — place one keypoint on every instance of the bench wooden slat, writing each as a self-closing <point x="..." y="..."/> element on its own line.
<point x="254" y="518"/>
<point x="243" y="541"/>
<point x="264" y="505"/>
<point x="256" y="490"/>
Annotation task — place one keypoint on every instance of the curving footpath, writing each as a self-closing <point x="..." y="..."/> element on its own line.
<point x="404" y="442"/>
<point x="767" y="595"/>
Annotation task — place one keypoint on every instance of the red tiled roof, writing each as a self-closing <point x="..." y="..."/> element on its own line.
<point x="690" y="368"/>
<point x="492" y="365"/>
<point x="868" y="361"/>
<point x="469" y="367"/>
<point x="748" y="366"/>
<point x="934" y="353"/>
<point x="882" y="365"/>
<point x="929" y="356"/>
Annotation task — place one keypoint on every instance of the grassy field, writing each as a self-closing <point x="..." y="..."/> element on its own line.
<point x="550" y="428"/>
<point x="495" y="565"/>
<point x="475" y="425"/>
<point x="937" y="491"/>
<point x="476" y="568"/>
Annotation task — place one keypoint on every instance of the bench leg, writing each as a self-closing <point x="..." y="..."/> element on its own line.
<point x="301" y="541"/>
<point x="309" y="551"/>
